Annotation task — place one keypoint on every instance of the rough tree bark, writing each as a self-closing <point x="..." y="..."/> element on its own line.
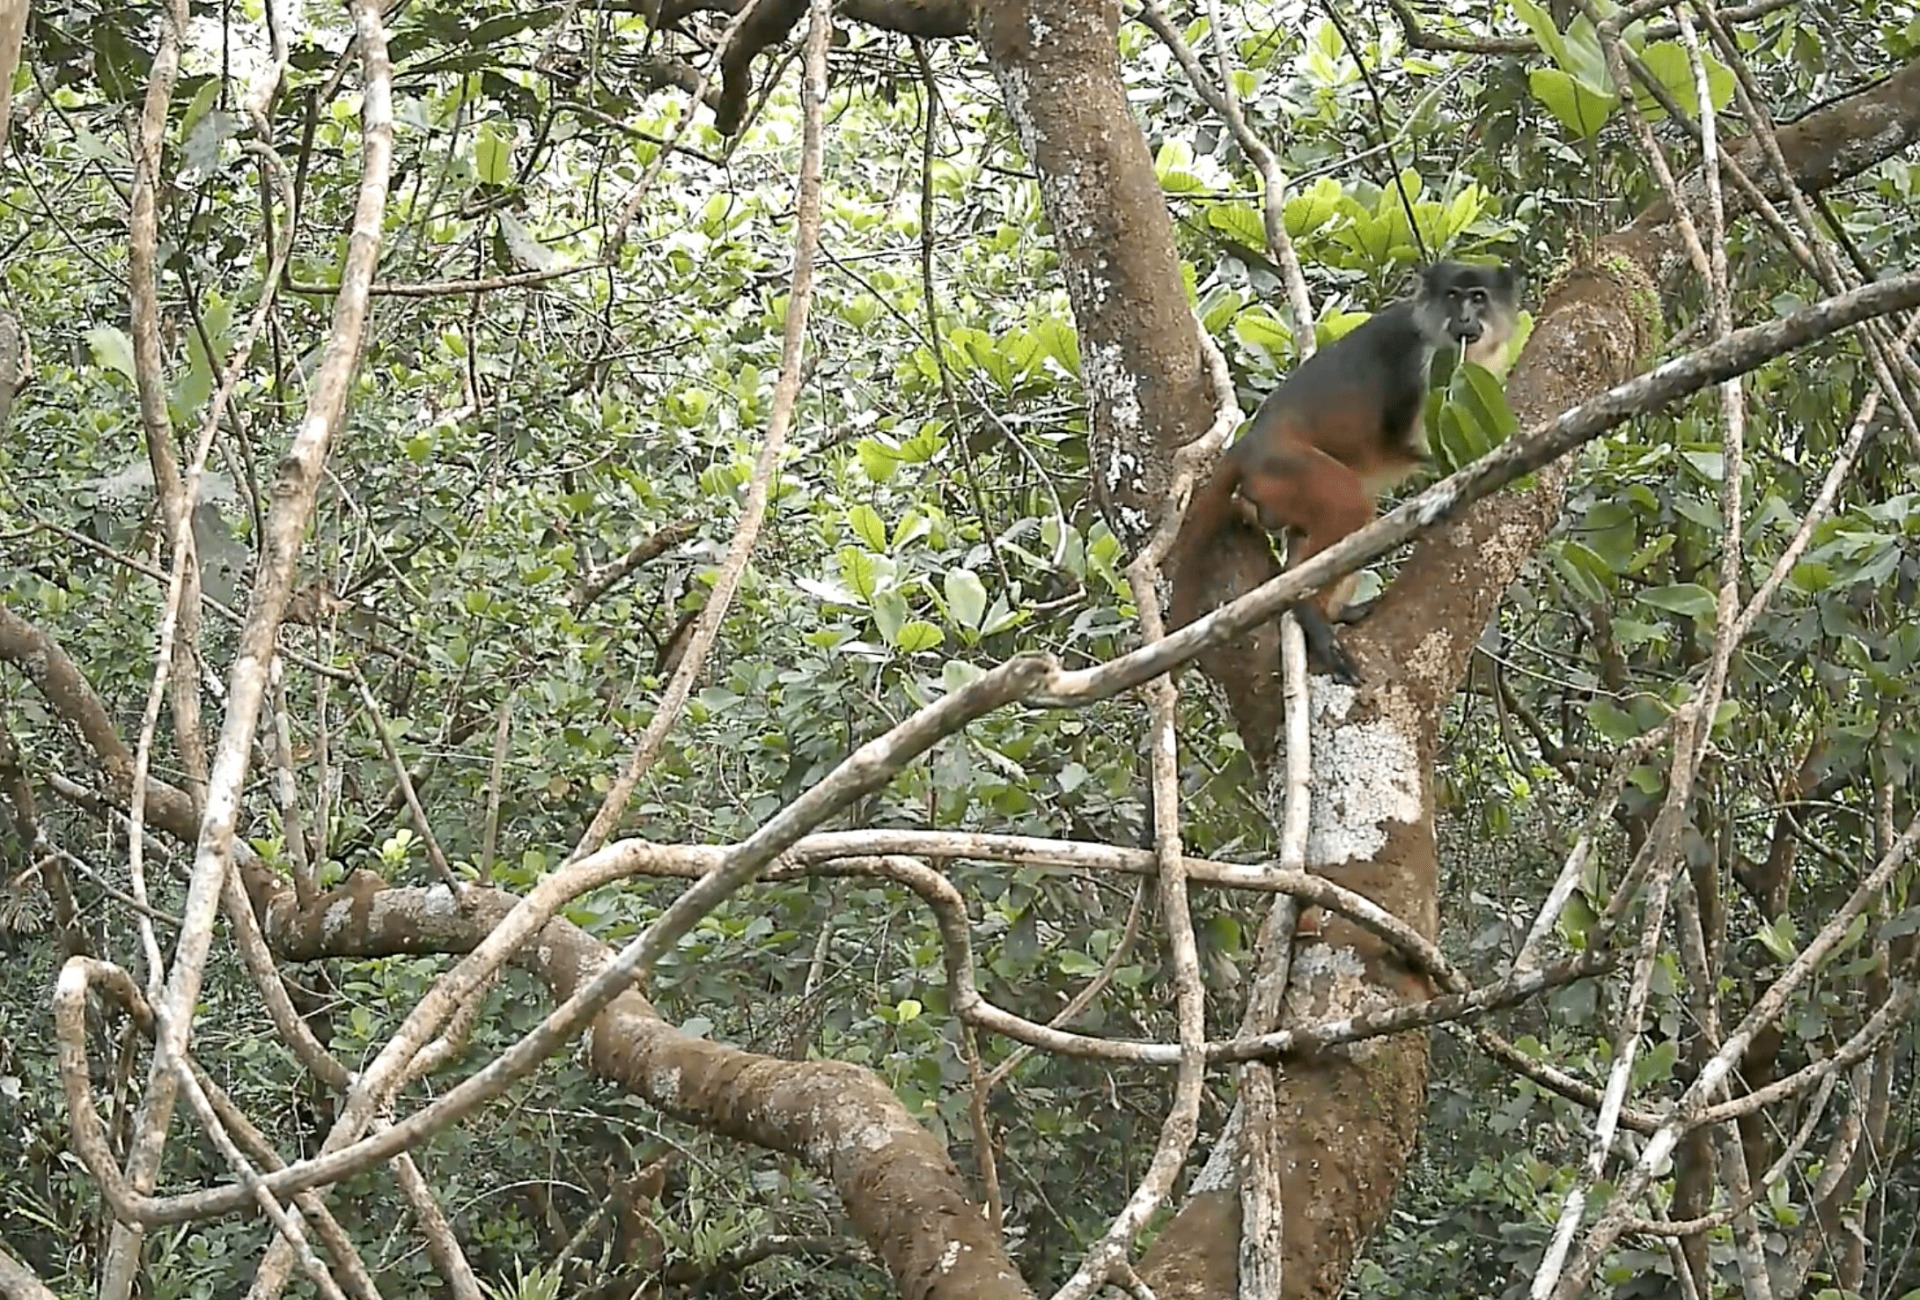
<point x="1348" y="1119"/>
<point x="1057" y="62"/>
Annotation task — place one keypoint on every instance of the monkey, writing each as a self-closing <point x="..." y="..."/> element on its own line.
<point x="1345" y="426"/>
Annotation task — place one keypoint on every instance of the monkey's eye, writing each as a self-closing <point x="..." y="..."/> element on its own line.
<point x="1480" y="296"/>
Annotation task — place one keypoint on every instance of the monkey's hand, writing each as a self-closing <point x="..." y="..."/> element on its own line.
<point x="1358" y="610"/>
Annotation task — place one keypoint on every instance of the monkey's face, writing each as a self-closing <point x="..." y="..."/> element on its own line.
<point x="1469" y="308"/>
<point x="1476" y="304"/>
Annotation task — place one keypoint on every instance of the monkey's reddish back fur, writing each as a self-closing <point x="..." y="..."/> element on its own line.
<point x="1344" y="427"/>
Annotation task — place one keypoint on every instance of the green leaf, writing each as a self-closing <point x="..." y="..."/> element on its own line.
<point x="1709" y="465"/>
<point x="1239" y="222"/>
<point x="1652" y="551"/>
<point x="493" y="156"/>
<point x="1178" y="180"/>
<point x="916" y="635"/>
<point x="1578" y="107"/>
<point x="203" y="100"/>
<point x="201" y="152"/>
<point x="528" y="253"/>
<point x="1688" y="598"/>
<point x="112" y="349"/>
<point x="858" y="572"/>
<point x="912" y="527"/>
<point x="1779" y="938"/>
<point x="1581" y="54"/>
<point x="1258" y="327"/>
<point x="1458" y="445"/>
<point x="1370" y="237"/>
<point x="1667" y="61"/>
<point x="1576" y="920"/>
<point x="1336" y="325"/>
<point x="1899" y="927"/>
<point x="890" y="614"/>
<point x="1541" y="24"/>
<point x="1856" y="929"/>
<point x="956" y="673"/>
<point x="868" y="526"/>
<point x="1061" y="343"/>
<point x="1173" y="165"/>
<point x="1308" y="211"/>
<point x="1483" y="398"/>
<point x="1656" y="1065"/>
<point x="877" y="461"/>
<point x="966" y="597"/>
<point x="1585" y="572"/>
<point x="1225" y="307"/>
<point x="1611" y="721"/>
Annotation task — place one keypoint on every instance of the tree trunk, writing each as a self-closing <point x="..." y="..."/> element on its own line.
<point x="1348" y="1118"/>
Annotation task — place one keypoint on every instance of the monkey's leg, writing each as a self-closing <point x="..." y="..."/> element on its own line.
<point x="1320" y="500"/>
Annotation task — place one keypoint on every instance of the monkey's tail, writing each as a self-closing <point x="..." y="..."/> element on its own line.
<point x="1207" y="514"/>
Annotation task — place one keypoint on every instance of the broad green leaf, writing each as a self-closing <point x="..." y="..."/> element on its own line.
<point x="1223" y="310"/>
<point x="1581" y="55"/>
<point x="1179" y="180"/>
<point x="1370" y="237"/>
<point x="1899" y="927"/>
<point x="1667" y="61"/>
<point x="857" y="572"/>
<point x="1541" y="24"/>
<point x="1336" y="325"/>
<point x="913" y="526"/>
<point x="1585" y="572"/>
<point x="890" y="614"/>
<point x="877" y="461"/>
<point x="1656" y="1064"/>
<point x="1484" y="398"/>
<point x="1239" y="222"/>
<point x="493" y="156"/>
<point x="113" y="349"/>
<point x="956" y="673"/>
<point x="1312" y="209"/>
<point x="1688" y="598"/>
<point x="1611" y="721"/>
<point x="1652" y="551"/>
<point x="1709" y="465"/>
<point x="1779" y="937"/>
<point x="1258" y="327"/>
<point x="528" y="253"/>
<point x="966" y="597"/>
<point x="916" y="635"/>
<point x="1578" y="107"/>
<point x="868" y="526"/>
<point x="1061" y="343"/>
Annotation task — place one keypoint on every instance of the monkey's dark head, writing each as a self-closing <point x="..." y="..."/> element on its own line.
<point x="1474" y="306"/>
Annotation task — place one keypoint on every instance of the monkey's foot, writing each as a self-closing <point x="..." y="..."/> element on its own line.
<point x="1323" y="647"/>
